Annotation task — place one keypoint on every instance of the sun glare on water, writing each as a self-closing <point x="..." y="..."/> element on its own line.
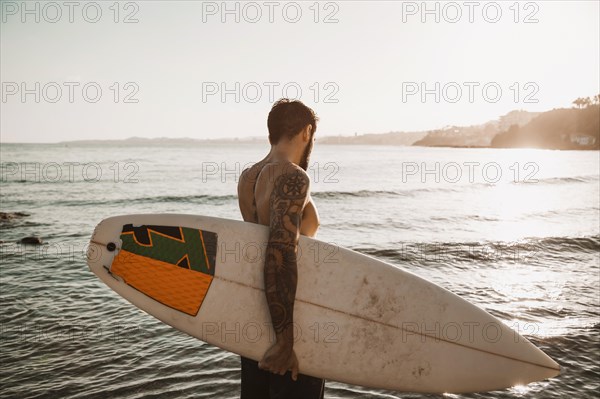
<point x="519" y="200"/>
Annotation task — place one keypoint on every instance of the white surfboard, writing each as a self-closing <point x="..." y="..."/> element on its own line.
<point x="357" y="320"/>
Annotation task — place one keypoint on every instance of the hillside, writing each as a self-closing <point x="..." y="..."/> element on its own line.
<point x="460" y="136"/>
<point x="563" y="128"/>
<point x="476" y="135"/>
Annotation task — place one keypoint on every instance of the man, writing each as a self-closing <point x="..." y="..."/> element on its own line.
<point x="275" y="192"/>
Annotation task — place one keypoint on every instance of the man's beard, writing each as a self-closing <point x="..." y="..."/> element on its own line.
<point x="306" y="155"/>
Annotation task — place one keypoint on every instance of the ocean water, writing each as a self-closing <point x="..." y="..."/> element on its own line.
<point x="514" y="231"/>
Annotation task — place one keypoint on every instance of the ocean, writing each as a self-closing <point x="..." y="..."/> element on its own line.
<point x="514" y="231"/>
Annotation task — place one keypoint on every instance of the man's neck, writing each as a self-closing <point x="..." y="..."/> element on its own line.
<point x="285" y="152"/>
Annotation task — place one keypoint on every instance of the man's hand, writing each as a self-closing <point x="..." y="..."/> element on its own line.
<point x="279" y="359"/>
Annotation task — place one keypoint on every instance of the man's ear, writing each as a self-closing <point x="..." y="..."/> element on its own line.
<point x="306" y="132"/>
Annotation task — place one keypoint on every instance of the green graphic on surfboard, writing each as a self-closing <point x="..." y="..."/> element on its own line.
<point x="182" y="246"/>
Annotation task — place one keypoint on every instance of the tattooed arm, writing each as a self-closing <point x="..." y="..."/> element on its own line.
<point x="288" y="198"/>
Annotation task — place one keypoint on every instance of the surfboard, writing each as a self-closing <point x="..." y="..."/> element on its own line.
<point x="357" y="320"/>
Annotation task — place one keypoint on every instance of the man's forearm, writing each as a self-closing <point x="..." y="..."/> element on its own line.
<point x="287" y="200"/>
<point x="281" y="279"/>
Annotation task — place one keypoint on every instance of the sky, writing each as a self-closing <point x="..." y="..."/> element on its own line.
<point x="203" y="69"/>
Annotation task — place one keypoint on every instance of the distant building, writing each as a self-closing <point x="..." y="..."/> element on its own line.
<point x="582" y="139"/>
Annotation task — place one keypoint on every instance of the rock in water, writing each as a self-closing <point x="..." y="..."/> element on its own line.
<point x="34" y="240"/>
<point x="12" y="215"/>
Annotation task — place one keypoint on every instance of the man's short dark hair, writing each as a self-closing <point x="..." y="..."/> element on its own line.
<point x="287" y="118"/>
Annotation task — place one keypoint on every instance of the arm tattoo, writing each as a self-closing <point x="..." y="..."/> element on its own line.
<point x="281" y="276"/>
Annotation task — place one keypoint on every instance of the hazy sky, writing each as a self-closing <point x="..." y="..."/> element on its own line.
<point x="362" y="66"/>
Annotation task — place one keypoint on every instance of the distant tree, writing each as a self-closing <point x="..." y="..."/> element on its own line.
<point x="596" y="99"/>
<point x="587" y="102"/>
<point x="579" y="102"/>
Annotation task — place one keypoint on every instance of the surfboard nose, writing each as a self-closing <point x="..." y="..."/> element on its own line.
<point x="538" y="357"/>
<point x="542" y="368"/>
<point x="552" y="367"/>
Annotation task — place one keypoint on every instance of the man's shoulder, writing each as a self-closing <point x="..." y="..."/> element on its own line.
<point x="290" y="182"/>
<point x="250" y="174"/>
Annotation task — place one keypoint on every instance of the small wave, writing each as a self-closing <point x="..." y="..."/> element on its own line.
<point x="458" y="252"/>
<point x="381" y="193"/>
<point x="562" y="212"/>
<point x="569" y="179"/>
<point x="570" y="244"/>
<point x="194" y="199"/>
<point x="462" y="218"/>
<point x="359" y="194"/>
<point x="197" y="199"/>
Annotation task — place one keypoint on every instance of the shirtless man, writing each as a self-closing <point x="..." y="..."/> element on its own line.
<point x="275" y="192"/>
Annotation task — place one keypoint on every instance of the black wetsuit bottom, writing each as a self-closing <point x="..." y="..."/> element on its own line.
<point x="262" y="384"/>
